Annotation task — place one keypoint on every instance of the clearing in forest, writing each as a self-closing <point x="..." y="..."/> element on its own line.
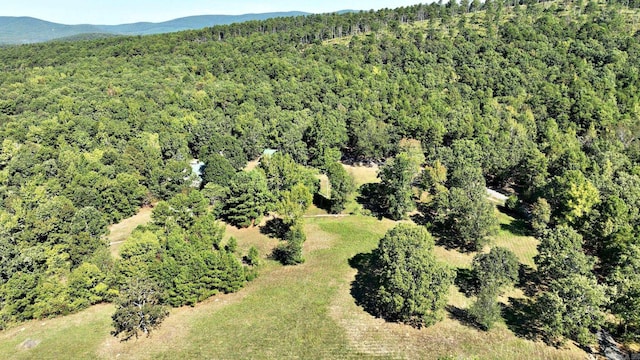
<point x="303" y="311"/>
<point x="119" y="232"/>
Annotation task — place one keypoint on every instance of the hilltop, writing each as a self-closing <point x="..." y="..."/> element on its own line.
<point x="25" y="30"/>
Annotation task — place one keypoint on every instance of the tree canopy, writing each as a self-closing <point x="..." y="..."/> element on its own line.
<point x="540" y="100"/>
<point x="409" y="284"/>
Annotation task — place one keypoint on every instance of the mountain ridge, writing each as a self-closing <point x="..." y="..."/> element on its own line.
<point x="25" y="29"/>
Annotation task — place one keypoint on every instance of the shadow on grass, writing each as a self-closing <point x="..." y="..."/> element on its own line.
<point x="527" y="280"/>
<point x="517" y="227"/>
<point x="467" y="281"/>
<point x="274" y="228"/>
<point x="363" y="286"/>
<point x="369" y="197"/>
<point x="450" y="240"/>
<point x="463" y="316"/>
<point x="322" y="202"/>
<point x="520" y="318"/>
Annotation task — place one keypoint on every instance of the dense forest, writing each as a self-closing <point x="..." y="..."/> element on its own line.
<point x="538" y="99"/>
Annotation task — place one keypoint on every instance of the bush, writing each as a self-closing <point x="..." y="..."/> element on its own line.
<point x="512" y="203"/>
<point x="290" y="253"/>
<point x="253" y="257"/>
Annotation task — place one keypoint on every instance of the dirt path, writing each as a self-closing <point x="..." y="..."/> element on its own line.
<point x="325" y="216"/>
<point x="492" y="194"/>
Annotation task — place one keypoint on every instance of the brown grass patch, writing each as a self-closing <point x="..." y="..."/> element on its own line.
<point x="252" y="164"/>
<point x="363" y="174"/>
<point x="119" y="232"/>
<point x="172" y="331"/>
<point x="316" y="238"/>
<point x="453" y="258"/>
<point x="325" y="186"/>
<point x="79" y="333"/>
<point x="251" y="236"/>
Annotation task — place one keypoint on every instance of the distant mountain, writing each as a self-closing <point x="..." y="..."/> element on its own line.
<point x="24" y="30"/>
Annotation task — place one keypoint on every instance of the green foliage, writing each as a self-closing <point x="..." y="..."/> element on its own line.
<point x="253" y="257"/>
<point x="462" y="161"/>
<point x="434" y="177"/>
<point x="137" y="253"/>
<point x="87" y="285"/>
<point x="625" y="277"/>
<point x="248" y="200"/>
<point x="138" y="311"/>
<point x="19" y="296"/>
<point x="217" y="169"/>
<point x="572" y="308"/>
<point x="182" y="253"/>
<point x="87" y="228"/>
<point x="410" y="285"/>
<point x="396" y="178"/>
<point x="290" y="252"/>
<point x="464" y="217"/>
<point x="511" y="203"/>
<point x="206" y="233"/>
<point x="293" y="204"/>
<point x="220" y="148"/>
<point x="540" y="216"/>
<point x="283" y="173"/>
<point x="110" y="124"/>
<point x="574" y="196"/>
<point x="486" y="310"/>
<point x="496" y="269"/>
<point x="232" y="245"/>
<point x="560" y="255"/>
<point x="216" y="195"/>
<point x="342" y="186"/>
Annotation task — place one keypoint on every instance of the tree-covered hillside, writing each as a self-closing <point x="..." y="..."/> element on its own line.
<point x="27" y="30"/>
<point x="540" y="99"/>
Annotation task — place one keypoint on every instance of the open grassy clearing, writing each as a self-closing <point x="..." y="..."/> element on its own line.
<point x="363" y="174"/>
<point x="77" y="336"/>
<point x="513" y="234"/>
<point x="305" y="311"/>
<point x="119" y="232"/>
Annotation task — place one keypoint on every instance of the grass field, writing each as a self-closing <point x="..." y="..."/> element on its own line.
<point x="305" y="311"/>
<point x="363" y="174"/>
<point x="119" y="232"/>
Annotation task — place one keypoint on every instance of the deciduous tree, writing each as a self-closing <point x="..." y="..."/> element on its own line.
<point x="410" y="285"/>
<point x="138" y="310"/>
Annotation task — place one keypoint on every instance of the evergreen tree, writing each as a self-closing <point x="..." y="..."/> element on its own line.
<point x="248" y="199"/>
<point x="290" y="252"/>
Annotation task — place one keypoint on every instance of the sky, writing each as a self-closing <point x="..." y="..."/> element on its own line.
<point x="113" y="12"/>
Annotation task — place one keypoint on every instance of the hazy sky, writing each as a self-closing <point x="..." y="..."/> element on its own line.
<point x="109" y="12"/>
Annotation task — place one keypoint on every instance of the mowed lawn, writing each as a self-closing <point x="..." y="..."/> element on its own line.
<point x="304" y="311"/>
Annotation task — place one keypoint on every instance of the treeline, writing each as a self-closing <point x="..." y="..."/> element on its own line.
<point x="540" y="99"/>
